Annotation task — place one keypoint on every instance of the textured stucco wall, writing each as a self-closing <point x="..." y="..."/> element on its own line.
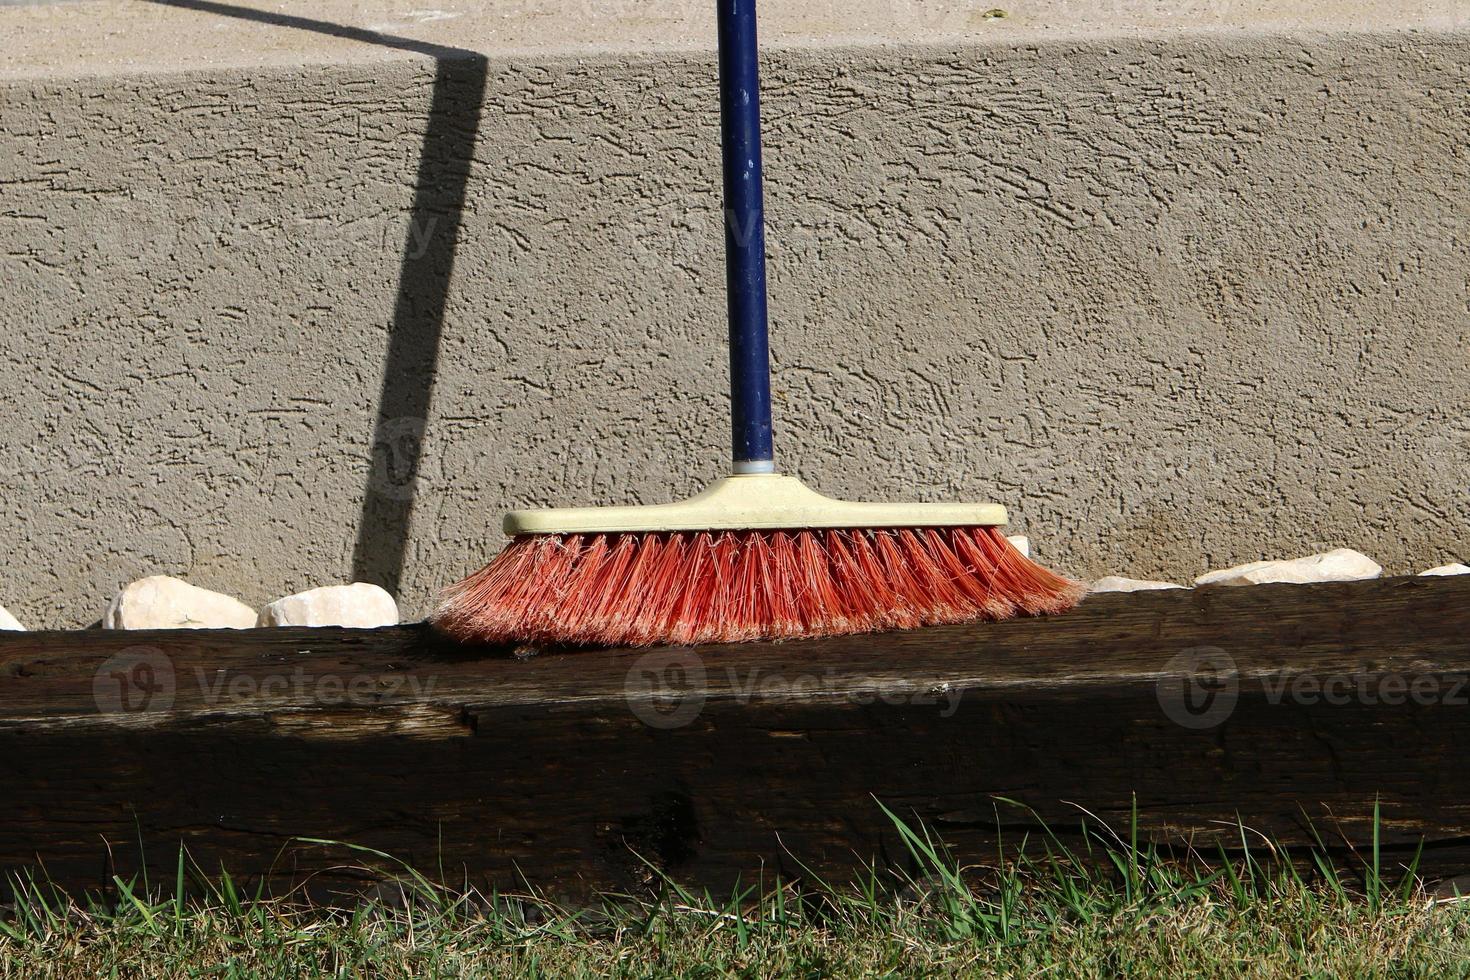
<point x="1178" y="299"/>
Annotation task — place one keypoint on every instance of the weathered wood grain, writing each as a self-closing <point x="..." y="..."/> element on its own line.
<point x="570" y="769"/>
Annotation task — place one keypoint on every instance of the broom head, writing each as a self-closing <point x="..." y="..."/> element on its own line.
<point x="755" y="557"/>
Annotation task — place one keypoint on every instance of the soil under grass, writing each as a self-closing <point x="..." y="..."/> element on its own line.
<point x="1120" y="910"/>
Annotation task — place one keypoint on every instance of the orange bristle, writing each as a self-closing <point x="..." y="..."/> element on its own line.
<point x="635" y="589"/>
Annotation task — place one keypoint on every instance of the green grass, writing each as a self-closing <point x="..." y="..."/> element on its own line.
<point x="1117" y="908"/>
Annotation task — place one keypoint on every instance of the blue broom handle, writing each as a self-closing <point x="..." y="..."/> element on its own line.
<point x="745" y="238"/>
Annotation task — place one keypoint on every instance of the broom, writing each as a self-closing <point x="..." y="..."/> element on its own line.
<point x="758" y="555"/>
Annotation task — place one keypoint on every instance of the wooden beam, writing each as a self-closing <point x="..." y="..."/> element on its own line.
<point x="1276" y="705"/>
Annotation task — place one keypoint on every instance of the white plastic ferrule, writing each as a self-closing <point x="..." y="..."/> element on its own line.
<point x="751" y="501"/>
<point x="749" y="466"/>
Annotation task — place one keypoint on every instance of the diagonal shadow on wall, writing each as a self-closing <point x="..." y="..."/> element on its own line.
<point x="423" y="283"/>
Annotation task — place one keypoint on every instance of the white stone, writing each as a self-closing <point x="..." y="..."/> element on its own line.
<point x="1453" y="568"/>
<point x="1021" y="543"/>
<point x="9" y="622"/>
<point x="1117" y="583"/>
<point x="358" y="605"/>
<point x="1342" y="565"/>
<point x="161" y="602"/>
